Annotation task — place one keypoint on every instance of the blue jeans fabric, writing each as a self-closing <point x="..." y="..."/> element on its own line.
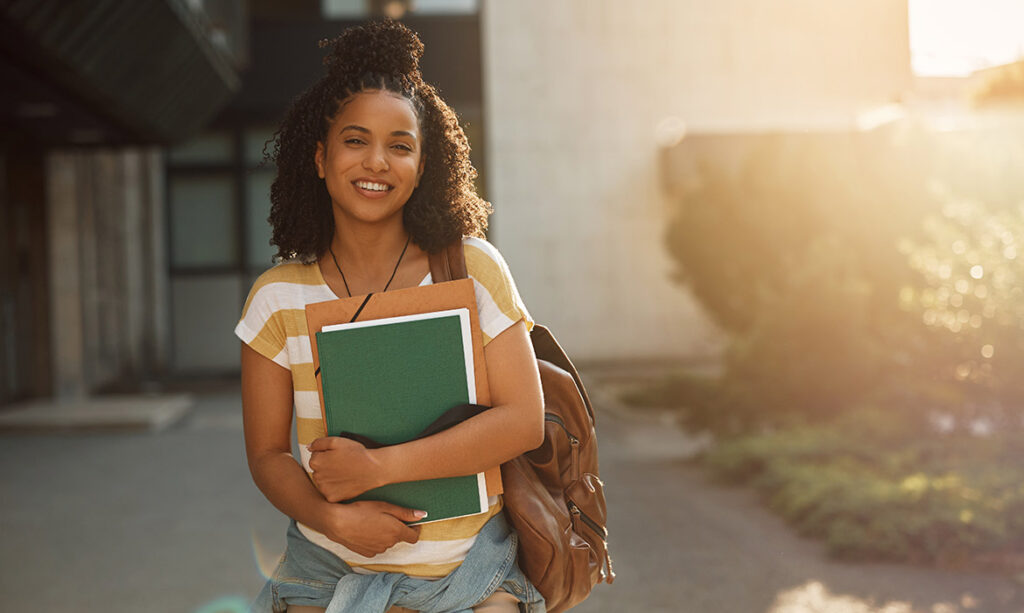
<point x="312" y="576"/>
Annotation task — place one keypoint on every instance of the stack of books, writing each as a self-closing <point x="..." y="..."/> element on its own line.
<point x="408" y="357"/>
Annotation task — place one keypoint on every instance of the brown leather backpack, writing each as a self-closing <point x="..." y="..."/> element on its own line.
<point x="553" y="495"/>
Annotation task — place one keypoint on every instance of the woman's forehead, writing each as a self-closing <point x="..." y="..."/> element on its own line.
<point x="378" y="107"/>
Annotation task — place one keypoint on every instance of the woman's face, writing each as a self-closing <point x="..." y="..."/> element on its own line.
<point x="372" y="156"/>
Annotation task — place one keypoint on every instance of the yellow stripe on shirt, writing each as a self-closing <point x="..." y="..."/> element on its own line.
<point x="460" y="528"/>
<point x="489" y="274"/>
<point x="303" y="379"/>
<point x="308" y="430"/>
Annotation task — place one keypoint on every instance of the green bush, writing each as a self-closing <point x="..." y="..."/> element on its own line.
<point x="971" y="299"/>
<point x="810" y="348"/>
<point x="877" y="488"/>
<point x="792" y="255"/>
<point x="843" y="275"/>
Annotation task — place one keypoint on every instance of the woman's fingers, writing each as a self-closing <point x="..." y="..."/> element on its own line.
<point x="323" y="443"/>
<point x="378" y="527"/>
<point x="402" y="513"/>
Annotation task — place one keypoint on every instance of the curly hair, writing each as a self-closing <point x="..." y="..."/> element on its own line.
<point x="380" y="55"/>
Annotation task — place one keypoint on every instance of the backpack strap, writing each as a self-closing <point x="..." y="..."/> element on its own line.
<point x="448" y="264"/>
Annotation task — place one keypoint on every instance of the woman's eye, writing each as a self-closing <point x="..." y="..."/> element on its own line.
<point x="353" y="141"/>
<point x="403" y="147"/>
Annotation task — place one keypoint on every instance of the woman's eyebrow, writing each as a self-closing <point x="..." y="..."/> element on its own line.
<point x="363" y="130"/>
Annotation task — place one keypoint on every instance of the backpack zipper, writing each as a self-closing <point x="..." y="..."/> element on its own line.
<point x="573" y="441"/>
<point x="607" y="576"/>
<point x="593" y="525"/>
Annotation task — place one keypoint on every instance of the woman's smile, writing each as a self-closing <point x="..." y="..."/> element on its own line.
<point x="372" y="189"/>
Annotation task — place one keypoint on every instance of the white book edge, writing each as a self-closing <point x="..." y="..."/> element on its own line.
<point x="481" y="484"/>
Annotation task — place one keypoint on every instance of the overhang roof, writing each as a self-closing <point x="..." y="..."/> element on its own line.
<point x="109" y="71"/>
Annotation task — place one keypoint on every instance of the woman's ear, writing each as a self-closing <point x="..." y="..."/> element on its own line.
<point x="318" y="159"/>
<point x="419" y="172"/>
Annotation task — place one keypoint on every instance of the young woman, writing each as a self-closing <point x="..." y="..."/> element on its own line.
<point x="373" y="174"/>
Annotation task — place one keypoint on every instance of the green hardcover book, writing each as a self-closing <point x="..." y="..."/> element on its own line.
<point x="389" y="379"/>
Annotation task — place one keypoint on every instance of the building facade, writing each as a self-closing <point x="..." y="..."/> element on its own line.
<point x="91" y="92"/>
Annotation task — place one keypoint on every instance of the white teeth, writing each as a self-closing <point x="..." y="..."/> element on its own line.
<point x="376" y="187"/>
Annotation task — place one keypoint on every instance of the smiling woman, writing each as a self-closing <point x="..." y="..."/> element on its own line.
<point x="371" y="161"/>
<point x="373" y="175"/>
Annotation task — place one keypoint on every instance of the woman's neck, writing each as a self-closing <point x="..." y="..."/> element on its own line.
<point x="367" y="256"/>
<point x="368" y="251"/>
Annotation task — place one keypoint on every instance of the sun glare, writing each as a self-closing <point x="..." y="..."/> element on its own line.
<point x="815" y="597"/>
<point x="957" y="37"/>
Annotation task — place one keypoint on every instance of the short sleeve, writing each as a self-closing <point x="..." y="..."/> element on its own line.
<point x="497" y="299"/>
<point x="262" y="324"/>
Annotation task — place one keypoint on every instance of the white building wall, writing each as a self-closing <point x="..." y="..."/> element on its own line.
<point x="574" y="93"/>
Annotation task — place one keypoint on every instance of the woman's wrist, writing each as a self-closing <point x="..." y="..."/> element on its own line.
<point x="330" y="518"/>
<point x="383" y="462"/>
<point x="389" y="467"/>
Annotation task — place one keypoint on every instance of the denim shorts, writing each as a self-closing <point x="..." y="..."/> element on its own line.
<point x="309" y="575"/>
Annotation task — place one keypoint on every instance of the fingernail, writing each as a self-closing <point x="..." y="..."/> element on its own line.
<point x="420" y="514"/>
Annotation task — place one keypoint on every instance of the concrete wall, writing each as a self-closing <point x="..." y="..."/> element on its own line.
<point x="107" y="272"/>
<point x="575" y="92"/>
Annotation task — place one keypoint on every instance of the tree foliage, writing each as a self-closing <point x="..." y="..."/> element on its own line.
<point x="840" y="275"/>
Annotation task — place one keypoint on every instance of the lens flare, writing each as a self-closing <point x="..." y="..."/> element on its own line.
<point x="225" y="604"/>
<point x="266" y="558"/>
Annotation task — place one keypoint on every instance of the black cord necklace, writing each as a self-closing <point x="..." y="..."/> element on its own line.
<point x="393" y="272"/>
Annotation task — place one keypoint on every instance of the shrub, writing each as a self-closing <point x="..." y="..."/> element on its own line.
<point x="874" y="488"/>
<point x="972" y="301"/>
<point x="792" y="255"/>
<point x="841" y="278"/>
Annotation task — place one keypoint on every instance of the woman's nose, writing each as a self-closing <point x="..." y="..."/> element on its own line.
<point x="375" y="160"/>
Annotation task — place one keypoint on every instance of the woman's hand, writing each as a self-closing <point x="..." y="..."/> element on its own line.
<point x="370" y="528"/>
<point x="343" y="469"/>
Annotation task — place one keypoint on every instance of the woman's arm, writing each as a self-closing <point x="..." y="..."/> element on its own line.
<point x="368" y="528"/>
<point x="344" y="468"/>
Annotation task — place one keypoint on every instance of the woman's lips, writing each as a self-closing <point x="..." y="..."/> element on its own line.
<point x="371" y="189"/>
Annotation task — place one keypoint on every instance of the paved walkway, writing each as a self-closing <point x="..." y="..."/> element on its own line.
<point x="171" y="522"/>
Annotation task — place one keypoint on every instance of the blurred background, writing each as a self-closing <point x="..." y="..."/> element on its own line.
<point x="782" y="239"/>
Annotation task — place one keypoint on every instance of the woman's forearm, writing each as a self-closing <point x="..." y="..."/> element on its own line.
<point x="487" y="440"/>
<point x="285" y="484"/>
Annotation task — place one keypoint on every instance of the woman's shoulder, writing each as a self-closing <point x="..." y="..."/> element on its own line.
<point x="482" y="255"/>
<point x="498" y="299"/>
<point x="289" y="284"/>
<point x="290" y="271"/>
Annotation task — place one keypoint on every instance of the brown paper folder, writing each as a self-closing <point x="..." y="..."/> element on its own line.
<point x="410" y="301"/>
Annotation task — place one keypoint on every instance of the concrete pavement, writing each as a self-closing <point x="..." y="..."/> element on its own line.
<point x="171" y="521"/>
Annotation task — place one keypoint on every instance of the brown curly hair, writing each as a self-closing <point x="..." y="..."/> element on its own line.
<point x="380" y="55"/>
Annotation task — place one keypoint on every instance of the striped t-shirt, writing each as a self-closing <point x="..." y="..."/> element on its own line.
<point x="274" y="324"/>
